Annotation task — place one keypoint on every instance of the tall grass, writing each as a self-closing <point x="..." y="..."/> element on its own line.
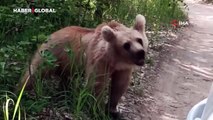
<point x="17" y="108"/>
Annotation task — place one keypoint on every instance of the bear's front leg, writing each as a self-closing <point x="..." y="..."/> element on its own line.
<point x="119" y="84"/>
<point x="100" y="85"/>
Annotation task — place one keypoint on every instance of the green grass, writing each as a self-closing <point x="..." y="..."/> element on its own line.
<point x="21" y="34"/>
<point x="9" y="101"/>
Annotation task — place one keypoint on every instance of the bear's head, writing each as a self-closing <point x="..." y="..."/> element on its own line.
<point x="129" y="44"/>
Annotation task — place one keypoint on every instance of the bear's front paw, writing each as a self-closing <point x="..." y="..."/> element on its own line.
<point x="117" y="116"/>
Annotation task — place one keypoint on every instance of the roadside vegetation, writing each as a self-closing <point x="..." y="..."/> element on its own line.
<point x="21" y="34"/>
<point x="208" y="1"/>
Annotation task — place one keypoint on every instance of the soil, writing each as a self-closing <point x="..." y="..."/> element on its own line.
<point x="182" y="74"/>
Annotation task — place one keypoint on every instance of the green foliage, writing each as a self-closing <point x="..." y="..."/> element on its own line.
<point x="21" y="34"/>
<point x="7" y="109"/>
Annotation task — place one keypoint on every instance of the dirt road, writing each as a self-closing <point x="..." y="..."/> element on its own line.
<point x="186" y="70"/>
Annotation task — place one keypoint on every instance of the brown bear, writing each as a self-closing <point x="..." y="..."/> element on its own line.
<point x="110" y="50"/>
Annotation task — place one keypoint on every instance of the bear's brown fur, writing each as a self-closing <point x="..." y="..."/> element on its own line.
<point x="110" y="50"/>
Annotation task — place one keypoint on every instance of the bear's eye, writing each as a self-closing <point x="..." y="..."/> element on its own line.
<point x="126" y="46"/>
<point x="140" y="41"/>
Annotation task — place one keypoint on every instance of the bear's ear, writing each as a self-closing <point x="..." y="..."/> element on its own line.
<point x="108" y="33"/>
<point x="140" y="22"/>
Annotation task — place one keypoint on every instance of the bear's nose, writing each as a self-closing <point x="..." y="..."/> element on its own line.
<point x="140" y="54"/>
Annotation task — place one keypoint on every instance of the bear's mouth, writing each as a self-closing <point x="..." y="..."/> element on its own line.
<point x="140" y="62"/>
